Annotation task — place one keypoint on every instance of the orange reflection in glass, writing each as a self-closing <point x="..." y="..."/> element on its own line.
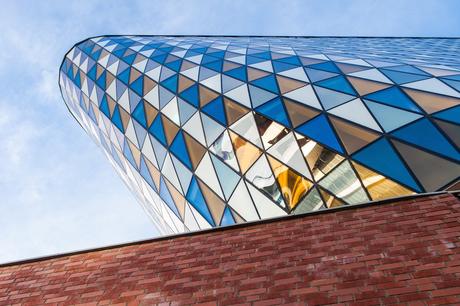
<point x="293" y="186"/>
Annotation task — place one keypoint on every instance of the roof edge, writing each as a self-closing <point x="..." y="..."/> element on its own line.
<point x="229" y="227"/>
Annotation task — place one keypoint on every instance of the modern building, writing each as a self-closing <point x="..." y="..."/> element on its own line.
<point x="213" y="131"/>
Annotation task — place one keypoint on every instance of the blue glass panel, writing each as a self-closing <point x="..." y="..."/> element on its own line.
<point x="238" y="73"/>
<point x="381" y="157"/>
<point x="320" y="130"/>
<point x="326" y="66"/>
<point x="216" y="65"/>
<point x="227" y="218"/>
<point x="195" y="197"/>
<point x="104" y="107"/>
<point x="269" y="83"/>
<point x="139" y="114"/>
<point x="318" y="75"/>
<point x="454" y="84"/>
<point x="124" y="76"/>
<point x="294" y="60"/>
<point x="409" y="69"/>
<point x="279" y="66"/>
<point x="156" y="129"/>
<point x="338" y="83"/>
<point x="137" y="86"/>
<point x="424" y="134"/>
<point x="171" y="83"/>
<point x="166" y="196"/>
<point x="393" y="96"/>
<point x="146" y="173"/>
<point x="130" y="58"/>
<point x="402" y="77"/>
<point x="254" y="60"/>
<point x="174" y="65"/>
<point x="116" y="119"/>
<point x="92" y="73"/>
<point x="275" y="111"/>
<point x="179" y="149"/>
<point x="101" y="80"/>
<point x="128" y="154"/>
<point x="216" y="110"/>
<point x="451" y="114"/>
<point x="191" y="95"/>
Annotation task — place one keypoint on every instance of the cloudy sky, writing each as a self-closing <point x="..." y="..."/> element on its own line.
<point x="58" y="193"/>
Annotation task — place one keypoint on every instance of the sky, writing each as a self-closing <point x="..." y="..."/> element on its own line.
<point x="57" y="191"/>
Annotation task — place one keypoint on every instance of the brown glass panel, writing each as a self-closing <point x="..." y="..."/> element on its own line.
<point x="310" y="61"/>
<point x="293" y="186"/>
<point x="270" y="132"/>
<point x="454" y="187"/>
<point x="254" y="74"/>
<point x="364" y="87"/>
<point x="329" y="200"/>
<point x="246" y="153"/>
<point x="320" y="160"/>
<point x="286" y="84"/>
<point x="184" y="83"/>
<point x="349" y="68"/>
<point x="379" y="186"/>
<point x="215" y="204"/>
<point x="352" y="136"/>
<point x="150" y="113"/>
<point x="135" y="152"/>
<point x="238" y="218"/>
<point x="149" y="84"/>
<point x="277" y="56"/>
<point x="170" y="129"/>
<point x="299" y="113"/>
<point x="108" y="79"/>
<point x="432" y="171"/>
<point x="234" y="111"/>
<point x="229" y="66"/>
<point x="452" y="130"/>
<point x="206" y="95"/>
<point x="99" y="70"/>
<point x="154" y="173"/>
<point x="134" y="74"/>
<point x="125" y="117"/>
<point x="187" y="65"/>
<point x="111" y="102"/>
<point x="431" y="102"/>
<point x="171" y="58"/>
<point x="195" y="150"/>
<point x="178" y="198"/>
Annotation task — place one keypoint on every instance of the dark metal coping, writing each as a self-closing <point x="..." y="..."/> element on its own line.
<point x="230" y="227"/>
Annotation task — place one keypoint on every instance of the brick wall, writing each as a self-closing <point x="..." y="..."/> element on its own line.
<point x="407" y="252"/>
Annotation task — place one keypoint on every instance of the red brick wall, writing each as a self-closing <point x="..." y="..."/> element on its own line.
<point x="406" y="252"/>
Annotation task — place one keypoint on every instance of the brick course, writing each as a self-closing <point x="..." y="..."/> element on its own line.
<point x="406" y="252"/>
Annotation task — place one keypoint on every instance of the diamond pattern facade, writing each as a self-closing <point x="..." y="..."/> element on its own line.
<point x="213" y="131"/>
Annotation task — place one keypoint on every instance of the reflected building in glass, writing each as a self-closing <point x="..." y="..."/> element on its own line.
<point x="213" y="131"/>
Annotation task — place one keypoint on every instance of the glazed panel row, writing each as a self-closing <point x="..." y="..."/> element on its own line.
<point x="210" y="131"/>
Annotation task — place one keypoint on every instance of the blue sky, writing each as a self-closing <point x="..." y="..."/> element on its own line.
<point x="58" y="193"/>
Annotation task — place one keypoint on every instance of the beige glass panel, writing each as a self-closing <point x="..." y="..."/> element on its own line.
<point x="149" y="84"/>
<point x="195" y="150"/>
<point x="378" y="186"/>
<point x="234" y="111"/>
<point x="432" y="171"/>
<point x="286" y="84"/>
<point x="215" y="204"/>
<point x="293" y="186"/>
<point x="298" y="113"/>
<point x="150" y="113"/>
<point x="431" y="102"/>
<point x="254" y="74"/>
<point x="184" y="83"/>
<point x="178" y="198"/>
<point x="364" y="87"/>
<point x="206" y="95"/>
<point x="246" y="153"/>
<point x="170" y="128"/>
<point x="352" y="136"/>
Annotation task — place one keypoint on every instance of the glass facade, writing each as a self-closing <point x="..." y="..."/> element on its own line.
<point x="213" y="131"/>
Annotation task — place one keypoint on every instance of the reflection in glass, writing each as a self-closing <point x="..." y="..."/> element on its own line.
<point x="320" y="159"/>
